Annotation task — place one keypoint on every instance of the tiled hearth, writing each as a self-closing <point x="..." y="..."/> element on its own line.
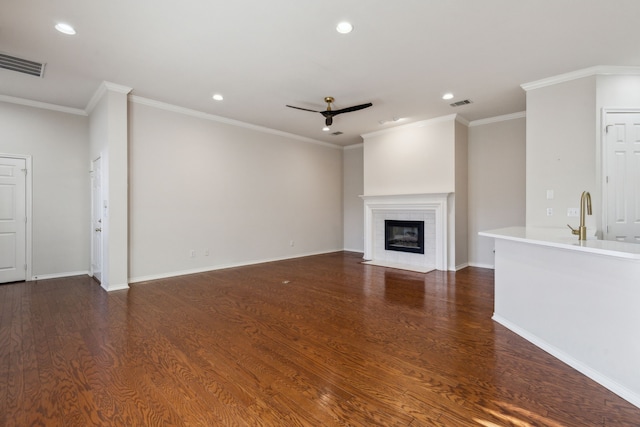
<point x="430" y="208"/>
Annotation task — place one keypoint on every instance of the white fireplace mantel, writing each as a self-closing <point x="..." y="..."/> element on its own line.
<point x="396" y="206"/>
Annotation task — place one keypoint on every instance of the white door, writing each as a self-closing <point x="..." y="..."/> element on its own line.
<point x="13" y="219"/>
<point x="622" y="177"/>
<point x="96" y="219"/>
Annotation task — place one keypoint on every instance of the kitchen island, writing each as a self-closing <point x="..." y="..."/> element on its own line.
<point x="577" y="300"/>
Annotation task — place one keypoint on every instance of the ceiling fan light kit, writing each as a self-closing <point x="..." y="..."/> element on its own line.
<point x="329" y="114"/>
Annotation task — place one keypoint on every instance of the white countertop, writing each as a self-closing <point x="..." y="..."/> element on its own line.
<point x="560" y="238"/>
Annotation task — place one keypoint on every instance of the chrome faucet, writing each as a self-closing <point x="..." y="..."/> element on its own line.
<point x="585" y="204"/>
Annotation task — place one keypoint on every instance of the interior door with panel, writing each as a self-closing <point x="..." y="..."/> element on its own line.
<point x="622" y="177"/>
<point x="13" y="219"/>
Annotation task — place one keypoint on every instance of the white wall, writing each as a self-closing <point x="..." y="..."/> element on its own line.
<point x="564" y="143"/>
<point x="419" y="158"/>
<point x="411" y="160"/>
<point x="108" y="131"/>
<point x="243" y="195"/>
<point x="353" y="205"/>
<point x="461" y="196"/>
<point x="561" y="151"/>
<point x="59" y="145"/>
<point x="497" y="187"/>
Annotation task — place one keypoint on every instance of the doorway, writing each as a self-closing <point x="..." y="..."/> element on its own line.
<point x="15" y="218"/>
<point x="621" y="187"/>
<point x="96" y="219"/>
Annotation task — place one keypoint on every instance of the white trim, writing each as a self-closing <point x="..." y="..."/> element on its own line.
<point x="421" y="123"/>
<point x="43" y="105"/>
<point x="604" y="167"/>
<point x="29" y="226"/>
<point x="224" y="266"/>
<point x="461" y="266"/>
<point x="496" y="119"/>
<point x="28" y="211"/>
<point x="358" y="251"/>
<point x="206" y="116"/>
<point x="462" y="120"/>
<point x="354" y="146"/>
<point x="112" y="288"/>
<point x="585" y="72"/>
<point x="102" y="89"/>
<point x="481" y="265"/>
<point x="384" y="204"/>
<point x="596" y="376"/>
<point x="59" y="275"/>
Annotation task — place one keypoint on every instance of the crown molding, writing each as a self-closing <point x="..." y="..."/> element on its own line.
<point x="43" y="105"/>
<point x="462" y="120"/>
<point x="419" y="124"/>
<point x="206" y="116"/>
<point x="496" y="119"/>
<point x="585" y="72"/>
<point x="102" y="89"/>
<point x="353" y="146"/>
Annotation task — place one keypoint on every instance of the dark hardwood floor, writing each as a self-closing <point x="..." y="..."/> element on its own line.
<point x="317" y="341"/>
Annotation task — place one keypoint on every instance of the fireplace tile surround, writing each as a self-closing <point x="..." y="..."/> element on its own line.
<point x="432" y="208"/>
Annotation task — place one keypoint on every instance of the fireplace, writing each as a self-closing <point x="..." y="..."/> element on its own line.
<point x="429" y="209"/>
<point x="404" y="236"/>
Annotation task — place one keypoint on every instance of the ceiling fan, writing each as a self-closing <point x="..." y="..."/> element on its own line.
<point x="329" y="113"/>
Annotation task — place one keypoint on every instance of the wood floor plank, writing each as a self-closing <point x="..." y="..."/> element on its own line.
<point x="315" y="341"/>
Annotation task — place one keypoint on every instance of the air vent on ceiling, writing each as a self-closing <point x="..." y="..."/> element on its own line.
<point x="21" y="65"/>
<point x="337" y="133"/>
<point x="460" y="103"/>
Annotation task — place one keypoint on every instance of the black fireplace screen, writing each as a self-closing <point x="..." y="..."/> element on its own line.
<point x="404" y="236"/>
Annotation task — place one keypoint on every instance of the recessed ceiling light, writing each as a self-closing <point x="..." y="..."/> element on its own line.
<point x="65" y="28"/>
<point x="344" y="27"/>
<point x="218" y="97"/>
<point x="447" y="96"/>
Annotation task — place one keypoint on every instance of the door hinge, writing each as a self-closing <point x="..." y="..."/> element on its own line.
<point x="607" y="179"/>
<point x="25" y="267"/>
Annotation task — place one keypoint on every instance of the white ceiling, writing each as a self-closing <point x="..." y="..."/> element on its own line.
<point x="261" y="55"/>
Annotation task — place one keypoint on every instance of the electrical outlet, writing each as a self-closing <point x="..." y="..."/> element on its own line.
<point x="193" y="253"/>
<point x="573" y="212"/>
<point x="291" y="243"/>
<point x="549" y="211"/>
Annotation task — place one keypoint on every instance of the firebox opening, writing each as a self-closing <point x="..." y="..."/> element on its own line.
<point x="404" y="236"/>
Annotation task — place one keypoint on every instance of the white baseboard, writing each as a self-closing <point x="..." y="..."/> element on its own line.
<point x="480" y="265"/>
<point x="59" y="275"/>
<point x="461" y="266"/>
<point x="359" y="251"/>
<point x="596" y="376"/>
<point x="118" y="287"/>
<point x="222" y="267"/>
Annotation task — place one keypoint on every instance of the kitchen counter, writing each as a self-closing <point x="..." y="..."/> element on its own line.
<point x="563" y="239"/>
<point x="577" y="300"/>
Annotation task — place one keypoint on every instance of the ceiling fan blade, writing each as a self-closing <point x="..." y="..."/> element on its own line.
<point x="350" y="109"/>
<point x="304" y="109"/>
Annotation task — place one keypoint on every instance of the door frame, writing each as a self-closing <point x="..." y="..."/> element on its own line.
<point x="92" y="219"/>
<point x="28" y="211"/>
<point x="604" y="162"/>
